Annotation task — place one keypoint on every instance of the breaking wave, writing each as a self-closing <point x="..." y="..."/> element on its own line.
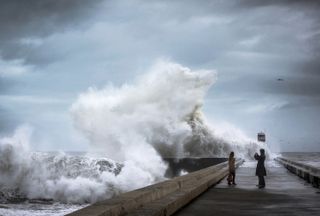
<point x="46" y="177"/>
<point x="136" y="125"/>
<point x="160" y="112"/>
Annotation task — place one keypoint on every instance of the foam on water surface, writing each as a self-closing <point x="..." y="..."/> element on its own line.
<point x="158" y="115"/>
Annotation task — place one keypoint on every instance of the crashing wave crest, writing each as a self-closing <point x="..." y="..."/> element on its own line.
<point x="158" y="115"/>
<point x="161" y="110"/>
<point x="61" y="177"/>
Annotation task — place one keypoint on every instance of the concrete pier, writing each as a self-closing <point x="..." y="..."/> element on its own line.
<point x="205" y="192"/>
<point x="307" y="172"/>
<point x="163" y="198"/>
<point x="285" y="194"/>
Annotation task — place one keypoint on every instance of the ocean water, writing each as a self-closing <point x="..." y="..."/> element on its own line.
<point x="53" y="183"/>
<point x="26" y="209"/>
<point x="158" y="115"/>
<point x="13" y="203"/>
<point x="310" y="158"/>
<point x="15" y="200"/>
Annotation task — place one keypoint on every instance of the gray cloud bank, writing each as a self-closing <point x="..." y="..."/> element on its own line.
<point x="63" y="47"/>
<point x="24" y="23"/>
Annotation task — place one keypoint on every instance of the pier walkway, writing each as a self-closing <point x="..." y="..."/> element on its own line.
<point x="285" y="194"/>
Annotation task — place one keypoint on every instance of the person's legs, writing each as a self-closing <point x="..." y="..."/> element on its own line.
<point x="234" y="178"/>
<point x="229" y="178"/>
<point x="261" y="181"/>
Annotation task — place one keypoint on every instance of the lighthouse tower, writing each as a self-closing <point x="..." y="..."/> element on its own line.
<point x="261" y="137"/>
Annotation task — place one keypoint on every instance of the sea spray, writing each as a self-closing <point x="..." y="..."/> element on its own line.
<point x="134" y="126"/>
<point x="161" y="111"/>
<point x="27" y="175"/>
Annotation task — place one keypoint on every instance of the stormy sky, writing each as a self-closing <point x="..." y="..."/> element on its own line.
<point x="267" y="54"/>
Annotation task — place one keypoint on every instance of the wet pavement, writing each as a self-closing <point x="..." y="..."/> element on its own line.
<point x="285" y="194"/>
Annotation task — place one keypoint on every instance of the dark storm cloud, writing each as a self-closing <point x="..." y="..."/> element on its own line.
<point x="311" y="67"/>
<point x="288" y="47"/>
<point x="188" y="32"/>
<point x="34" y="19"/>
<point x="280" y="86"/>
<point x="309" y="10"/>
<point x="79" y="44"/>
<point x="22" y="25"/>
<point x="300" y="86"/>
<point x="258" y="3"/>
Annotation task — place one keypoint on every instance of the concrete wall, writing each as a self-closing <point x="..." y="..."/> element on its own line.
<point x="307" y="172"/>
<point x="159" y="199"/>
<point x="176" y="165"/>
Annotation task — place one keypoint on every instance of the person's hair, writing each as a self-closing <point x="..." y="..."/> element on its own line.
<point x="262" y="152"/>
<point x="231" y="155"/>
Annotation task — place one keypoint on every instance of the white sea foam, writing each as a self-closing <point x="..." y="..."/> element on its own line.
<point x="62" y="177"/>
<point x="159" y="113"/>
<point x="137" y="124"/>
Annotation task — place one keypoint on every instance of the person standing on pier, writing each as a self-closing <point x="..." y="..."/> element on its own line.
<point x="261" y="170"/>
<point x="232" y="169"/>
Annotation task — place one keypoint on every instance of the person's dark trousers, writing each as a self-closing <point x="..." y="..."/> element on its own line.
<point x="234" y="177"/>
<point x="231" y="177"/>
<point x="261" y="181"/>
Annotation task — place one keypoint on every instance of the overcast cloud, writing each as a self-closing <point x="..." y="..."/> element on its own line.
<point x="52" y="50"/>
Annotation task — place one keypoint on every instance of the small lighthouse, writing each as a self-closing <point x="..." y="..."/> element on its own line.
<point x="261" y="137"/>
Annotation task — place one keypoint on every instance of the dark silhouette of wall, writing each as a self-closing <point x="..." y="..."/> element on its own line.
<point x="177" y="165"/>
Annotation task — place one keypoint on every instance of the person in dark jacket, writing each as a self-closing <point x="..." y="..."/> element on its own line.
<point x="261" y="170"/>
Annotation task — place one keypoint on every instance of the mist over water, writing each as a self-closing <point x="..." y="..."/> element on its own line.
<point x="135" y="125"/>
<point x="58" y="177"/>
<point x="159" y="113"/>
